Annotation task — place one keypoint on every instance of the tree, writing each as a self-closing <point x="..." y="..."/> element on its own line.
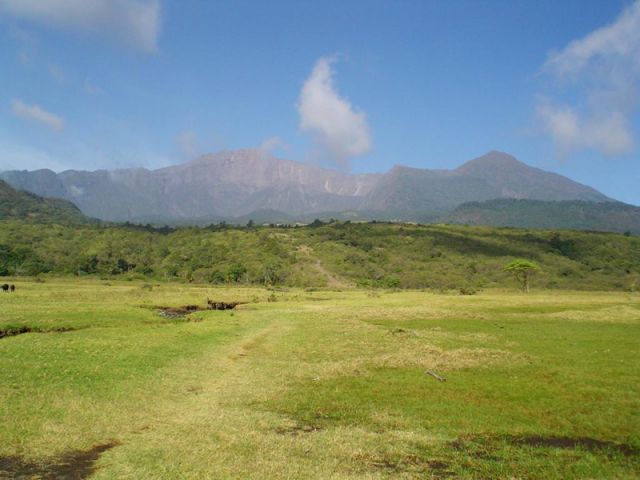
<point x="522" y="270"/>
<point x="235" y="272"/>
<point x="273" y="273"/>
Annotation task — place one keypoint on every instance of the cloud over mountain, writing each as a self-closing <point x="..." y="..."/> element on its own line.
<point x="340" y="129"/>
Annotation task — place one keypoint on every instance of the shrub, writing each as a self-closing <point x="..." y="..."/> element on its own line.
<point x="468" y="290"/>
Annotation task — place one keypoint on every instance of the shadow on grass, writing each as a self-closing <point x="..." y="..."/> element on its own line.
<point x="13" y="331"/>
<point x="75" y="465"/>
<point x="486" y="446"/>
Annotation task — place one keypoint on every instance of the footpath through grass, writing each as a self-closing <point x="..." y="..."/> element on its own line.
<point x="317" y="384"/>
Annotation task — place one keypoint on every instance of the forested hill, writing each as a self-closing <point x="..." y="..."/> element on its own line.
<point x="17" y="204"/>
<point x="580" y="215"/>
<point x="337" y="255"/>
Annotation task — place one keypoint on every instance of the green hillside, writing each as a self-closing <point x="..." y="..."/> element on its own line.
<point x="580" y="215"/>
<point x="18" y="204"/>
<point x="336" y="255"/>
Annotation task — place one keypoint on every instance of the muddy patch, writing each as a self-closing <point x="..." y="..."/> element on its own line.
<point x="75" y="465"/>
<point x="186" y="310"/>
<point x="13" y="331"/>
<point x="178" y="312"/>
<point x="486" y="447"/>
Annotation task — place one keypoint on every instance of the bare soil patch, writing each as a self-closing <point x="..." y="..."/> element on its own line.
<point x="183" y="311"/>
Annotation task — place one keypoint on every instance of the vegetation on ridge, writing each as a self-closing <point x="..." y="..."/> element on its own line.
<point x="582" y="215"/>
<point x="335" y="254"/>
<point x="21" y="205"/>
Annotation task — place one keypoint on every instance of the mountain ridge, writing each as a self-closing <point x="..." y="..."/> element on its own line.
<point x="20" y="205"/>
<point x="235" y="183"/>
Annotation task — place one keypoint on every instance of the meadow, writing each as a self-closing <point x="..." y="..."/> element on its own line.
<point x="100" y="379"/>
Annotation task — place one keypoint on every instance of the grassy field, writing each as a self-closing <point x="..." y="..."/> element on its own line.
<point x="317" y="384"/>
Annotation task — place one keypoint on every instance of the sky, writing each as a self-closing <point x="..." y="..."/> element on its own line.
<point x="357" y="85"/>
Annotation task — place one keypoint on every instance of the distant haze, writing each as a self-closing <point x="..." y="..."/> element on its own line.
<point x="254" y="184"/>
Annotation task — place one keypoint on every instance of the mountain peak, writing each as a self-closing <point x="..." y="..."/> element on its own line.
<point x="492" y="159"/>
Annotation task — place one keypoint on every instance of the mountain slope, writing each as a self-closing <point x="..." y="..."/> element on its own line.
<point x="514" y="179"/>
<point x="576" y="214"/>
<point x="234" y="184"/>
<point x="417" y="194"/>
<point x="15" y="205"/>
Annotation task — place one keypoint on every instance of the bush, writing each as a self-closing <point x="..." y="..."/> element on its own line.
<point x="390" y="282"/>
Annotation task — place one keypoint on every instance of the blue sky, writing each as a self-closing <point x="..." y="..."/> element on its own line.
<point x="358" y="85"/>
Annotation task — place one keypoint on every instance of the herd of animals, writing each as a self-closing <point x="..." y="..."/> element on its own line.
<point x="8" y="288"/>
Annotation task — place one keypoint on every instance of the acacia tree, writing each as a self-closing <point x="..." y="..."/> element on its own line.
<point x="522" y="270"/>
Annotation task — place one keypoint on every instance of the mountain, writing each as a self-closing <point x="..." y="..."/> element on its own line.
<point x="579" y="215"/>
<point x="413" y="193"/>
<point x="223" y="185"/>
<point x="16" y="204"/>
<point x="235" y="184"/>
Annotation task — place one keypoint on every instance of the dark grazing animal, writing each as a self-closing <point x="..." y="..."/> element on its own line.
<point x="12" y="288"/>
<point x="5" y="287"/>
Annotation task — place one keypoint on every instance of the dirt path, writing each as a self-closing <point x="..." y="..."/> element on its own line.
<point x="333" y="281"/>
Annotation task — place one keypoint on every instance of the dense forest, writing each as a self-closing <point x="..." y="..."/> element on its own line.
<point x="335" y="254"/>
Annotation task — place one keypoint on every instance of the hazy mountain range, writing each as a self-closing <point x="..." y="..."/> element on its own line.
<point x="250" y="183"/>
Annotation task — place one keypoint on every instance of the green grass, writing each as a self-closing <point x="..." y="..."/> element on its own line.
<point x="322" y="384"/>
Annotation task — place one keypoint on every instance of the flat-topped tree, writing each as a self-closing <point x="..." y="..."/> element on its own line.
<point x="522" y="269"/>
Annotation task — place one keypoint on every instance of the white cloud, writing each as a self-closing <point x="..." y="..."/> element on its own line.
<point x="134" y="22"/>
<point x="337" y="127"/>
<point x="37" y="114"/>
<point x="619" y="41"/>
<point x="601" y="71"/>
<point x="608" y="132"/>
